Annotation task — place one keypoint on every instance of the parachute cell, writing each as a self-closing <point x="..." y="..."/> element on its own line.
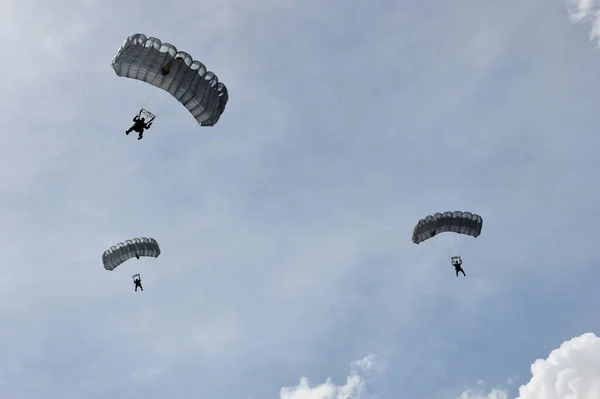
<point x="163" y="66"/>
<point x="455" y="222"/>
<point x="126" y="250"/>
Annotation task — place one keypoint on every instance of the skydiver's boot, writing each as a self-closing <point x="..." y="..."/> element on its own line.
<point x="140" y="136"/>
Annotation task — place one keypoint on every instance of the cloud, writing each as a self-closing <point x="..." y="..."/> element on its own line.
<point x="581" y="10"/>
<point x="569" y="372"/>
<point x="367" y="363"/>
<point x="287" y="226"/>
<point x="479" y="392"/>
<point x="494" y="394"/>
<point x="354" y="388"/>
<point x="586" y="11"/>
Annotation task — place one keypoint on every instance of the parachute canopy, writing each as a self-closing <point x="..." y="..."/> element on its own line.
<point x="162" y="65"/>
<point x="126" y="250"/>
<point x="455" y="222"/>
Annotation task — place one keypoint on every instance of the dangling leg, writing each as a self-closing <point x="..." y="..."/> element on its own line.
<point x="129" y="130"/>
<point x="141" y="287"/>
<point x="463" y="272"/>
<point x="456" y="272"/>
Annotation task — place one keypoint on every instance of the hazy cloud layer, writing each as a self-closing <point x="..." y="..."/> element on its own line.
<point x="285" y="229"/>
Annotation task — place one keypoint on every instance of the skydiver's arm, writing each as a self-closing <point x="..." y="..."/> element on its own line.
<point x="136" y="118"/>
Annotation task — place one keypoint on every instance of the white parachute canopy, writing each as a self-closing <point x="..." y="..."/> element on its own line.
<point x="149" y="60"/>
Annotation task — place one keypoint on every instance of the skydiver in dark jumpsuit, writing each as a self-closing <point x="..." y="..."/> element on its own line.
<point x="137" y="281"/>
<point x="457" y="263"/>
<point x="139" y="125"/>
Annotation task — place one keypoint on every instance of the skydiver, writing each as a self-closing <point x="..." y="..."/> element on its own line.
<point x="457" y="263"/>
<point x="139" y="125"/>
<point x="137" y="281"/>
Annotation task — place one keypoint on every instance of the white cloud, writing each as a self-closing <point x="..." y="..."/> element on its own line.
<point x="354" y="388"/>
<point x="367" y="363"/>
<point x="584" y="11"/>
<point x="581" y="10"/>
<point x="479" y="392"/>
<point x="512" y="380"/>
<point x="570" y="372"/>
<point x="494" y="394"/>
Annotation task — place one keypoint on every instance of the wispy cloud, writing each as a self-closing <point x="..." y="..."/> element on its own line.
<point x="586" y="11"/>
<point x="354" y="388"/>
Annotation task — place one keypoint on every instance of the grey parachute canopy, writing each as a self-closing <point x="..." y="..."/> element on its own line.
<point x="149" y="60"/>
<point x="126" y="250"/>
<point x="455" y="222"/>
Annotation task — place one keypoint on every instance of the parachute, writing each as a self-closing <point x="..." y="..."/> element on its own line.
<point x="455" y="222"/>
<point x="462" y="224"/>
<point x="163" y="66"/>
<point x="126" y="250"/>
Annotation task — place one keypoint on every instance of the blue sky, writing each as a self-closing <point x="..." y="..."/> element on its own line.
<point x="285" y="229"/>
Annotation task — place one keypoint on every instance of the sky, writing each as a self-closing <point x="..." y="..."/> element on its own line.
<point x="287" y="269"/>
